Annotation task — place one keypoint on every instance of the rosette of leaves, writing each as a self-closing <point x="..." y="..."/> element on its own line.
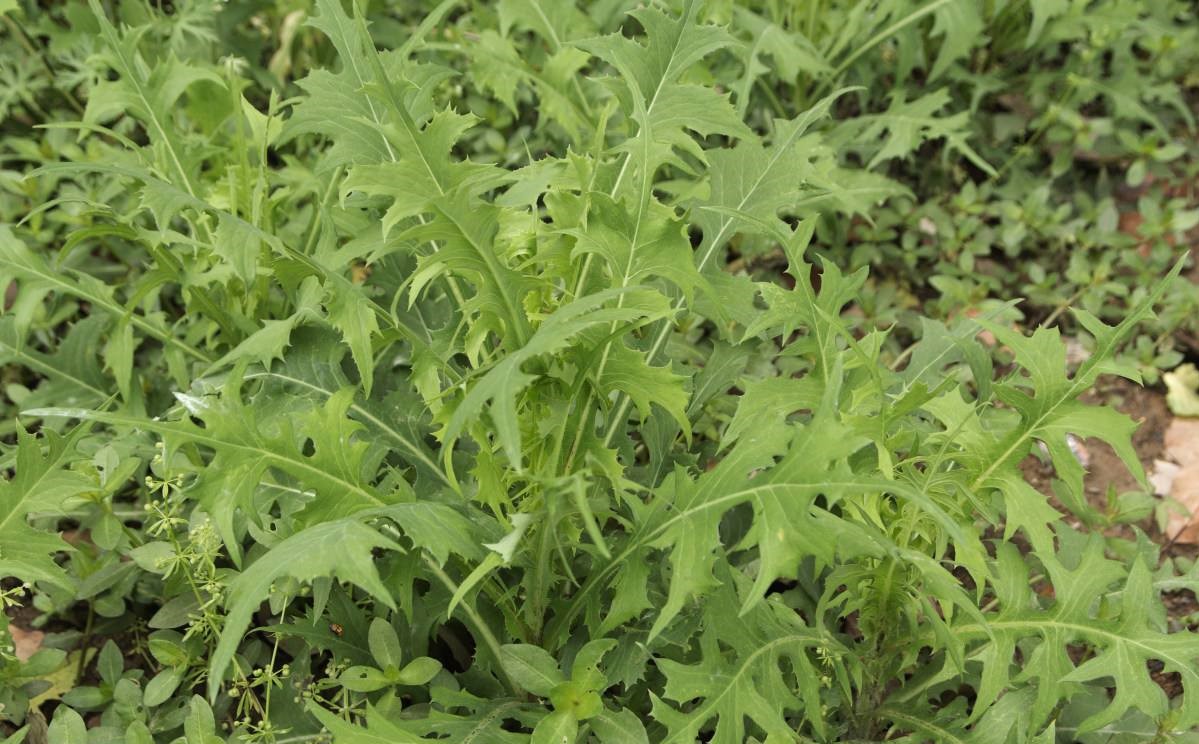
<point x="448" y="446"/>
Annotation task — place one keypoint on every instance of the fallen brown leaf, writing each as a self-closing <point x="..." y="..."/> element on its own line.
<point x="1182" y="441"/>
<point x="1184" y="528"/>
<point x="1161" y="477"/>
<point x="26" y="642"/>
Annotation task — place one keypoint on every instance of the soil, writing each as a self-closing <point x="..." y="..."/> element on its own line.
<point x="1104" y="468"/>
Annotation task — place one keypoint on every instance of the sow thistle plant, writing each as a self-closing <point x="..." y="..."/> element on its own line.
<point x="437" y="449"/>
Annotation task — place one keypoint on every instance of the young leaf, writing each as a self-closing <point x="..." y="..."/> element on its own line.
<point x="40" y="485"/>
<point x="499" y="387"/>
<point x="665" y="108"/>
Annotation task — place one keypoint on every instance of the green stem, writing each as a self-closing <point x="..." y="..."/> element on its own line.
<point x="83" y="643"/>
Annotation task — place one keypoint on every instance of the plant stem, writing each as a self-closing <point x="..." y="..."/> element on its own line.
<point x="83" y="643"/>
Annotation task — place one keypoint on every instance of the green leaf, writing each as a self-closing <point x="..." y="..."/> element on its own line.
<point x="270" y="342"/>
<point x="1138" y="638"/>
<point x="637" y="248"/>
<point x="353" y="316"/>
<point x="939" y="348"/>
<point x="755" y="183"/>
<point x="628" y="371"/>
<point x="1006" y="721"/>
<point x="42" y="278"/>
<point x="384" y="644"/>
<point x="336" y="105"/>
<point x="555" y="21"/>
<point x="410" y="164"/>
<point x="312" y="367"/>
<point x="804" y="307"/>
<point x="419" y="671"/>
<point x="472" y="720"/>
<point x="73" y="375"/>
<point x="239" y="246"/>
<point x="40" y="485"/>
<point x="559" y="727"/>
<point x="162" y="687"/>
<point x="905" y="125"/>
<point x="110" y="664"/>
<point x="1051" y="410"/>
<point x="379" y="730"/>
<point x="118" y="357"/>
<point x="959" y="25"/>
<point x="1042" y="13"/>
<point x="665" y="108"/>
<point x="200" y="726"/>
<point x="138" y="733"/>
<point x="497" y="390"/>
<point x="531" y="667"/>
<point x="149" y="94"/>
<point x="1122" y="643"/>
<point x="753" y="667"/>
<point x="623" y="727"/>
<point x="497" y="67"/>
<point x="67" y="727"/>
<point x="422" y="172"/>
<point x="248" y="443"/>
<point x="466" y="230"/>
<point x="791" y="55"/>
<point x="364" y="679"/>
<point x="341" y="549"/>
